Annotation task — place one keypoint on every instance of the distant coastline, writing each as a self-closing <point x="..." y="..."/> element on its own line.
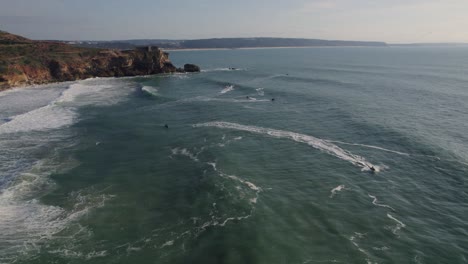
<point x="223" y="43"/>
<point x="286" y="47"/>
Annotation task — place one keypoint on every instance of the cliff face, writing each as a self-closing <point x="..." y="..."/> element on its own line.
<point x="109" y="63"/>
<point x="25" y="62"/>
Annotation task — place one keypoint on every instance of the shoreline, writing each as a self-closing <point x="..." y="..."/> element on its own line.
<point x="38" y="85"/>
<point x="32" y="86"/>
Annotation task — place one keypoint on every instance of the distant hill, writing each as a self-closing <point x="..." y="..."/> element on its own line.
<point x="7" y="38"/>
<point x="224" y="43"/>
<point x="271" y="42"/>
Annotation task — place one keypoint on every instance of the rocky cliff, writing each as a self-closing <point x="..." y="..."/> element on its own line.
<point x="26" y="62"/>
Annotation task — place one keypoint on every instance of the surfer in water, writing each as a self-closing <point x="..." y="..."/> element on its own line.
<point x="272" y="99"/>
<point x="166" y="126"/>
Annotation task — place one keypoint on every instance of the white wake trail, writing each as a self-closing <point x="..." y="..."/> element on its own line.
<point x="369" y="146"/>
<point x="314" y="142"/>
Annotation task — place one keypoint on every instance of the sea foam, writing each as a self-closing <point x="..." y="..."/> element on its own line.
<point x="150" y="90"/>
<point x="61" y="112"/>
<point x="399" y="224"/>
<point x="26" y="223"/>
<point x="227" y="89"/>
<point x="48" y="117"/>
<point x="336" y="189"/>
<point x="375" y="202"/>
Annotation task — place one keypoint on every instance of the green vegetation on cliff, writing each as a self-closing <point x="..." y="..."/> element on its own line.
<point x="25" y="62"/>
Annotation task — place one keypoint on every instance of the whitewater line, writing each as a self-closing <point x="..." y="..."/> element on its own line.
<point x="375" y="202"/>
<point x="336" y="189"/>
<point x="314" y="142"/>
<point x="398" y="226"/>
<point x="369" y="146"/>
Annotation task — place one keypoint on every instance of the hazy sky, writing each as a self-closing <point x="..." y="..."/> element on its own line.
<point x="393" y="21"/>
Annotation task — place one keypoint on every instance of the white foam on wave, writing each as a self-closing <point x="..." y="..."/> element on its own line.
<point x="7" y="92"/>
<point x="314" y="142"/>
<point x="44" y="118"/>
<point x="246" y="100"/>
<point x="207" y="99"/>
<point x="353" y="239"/>
<point x="168" y="244"/>
<point x="179" y="75"/>
<point x="383" y="248"/>
<point x="249" y="184"/>
<point x="369" y="146"/>
<point x="336" y="189"/>
<point x="26" y="224"/>
<point x="398" y="226"/>
<point x="89" y="92"/>
<point x="61" y="112"/>
<point x="227" y="89"/>
<point x="227" y="142"/>
<point x="77" y="90"/>
<point x="71" y="254"/>
<point x="358" y="236"/>
<point x="150" y="90"/>
<point x="221" y="222"/>
<point x="184" y="152"/>
<point x="375" y="202"/>
<point x="168" y="236"/>
<point x="222" y="69"/>
<point x="260" y="91"/>
<point x="213" y="164"/>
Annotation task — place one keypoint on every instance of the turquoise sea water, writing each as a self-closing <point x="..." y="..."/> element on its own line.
<point x="89" y="174"/>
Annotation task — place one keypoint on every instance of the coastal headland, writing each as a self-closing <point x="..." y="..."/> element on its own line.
<point x="28" y="62"/>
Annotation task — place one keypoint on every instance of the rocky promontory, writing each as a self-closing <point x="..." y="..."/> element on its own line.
<point x="27" y="62"/>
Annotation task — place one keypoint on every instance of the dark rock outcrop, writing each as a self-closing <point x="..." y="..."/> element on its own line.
<point x="191" y="68"/>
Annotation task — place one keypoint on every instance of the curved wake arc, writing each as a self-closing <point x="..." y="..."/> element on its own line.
<point x="314" y="142"/>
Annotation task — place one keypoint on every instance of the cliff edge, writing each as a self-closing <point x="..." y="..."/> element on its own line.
<point x="26" y="62"/>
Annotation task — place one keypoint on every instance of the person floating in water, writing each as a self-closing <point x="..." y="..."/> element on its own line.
<point x="166" y="126"/>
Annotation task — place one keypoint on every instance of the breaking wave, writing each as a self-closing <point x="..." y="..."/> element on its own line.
<point x="227" y="89"/>
<point x="26" y="223"/>
<point x="336" y="189"/>
<point x="150" y="90"/>
<point x="62" y="111"/>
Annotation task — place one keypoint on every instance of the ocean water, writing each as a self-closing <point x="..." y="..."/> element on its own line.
<point x="362" y="157"/>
